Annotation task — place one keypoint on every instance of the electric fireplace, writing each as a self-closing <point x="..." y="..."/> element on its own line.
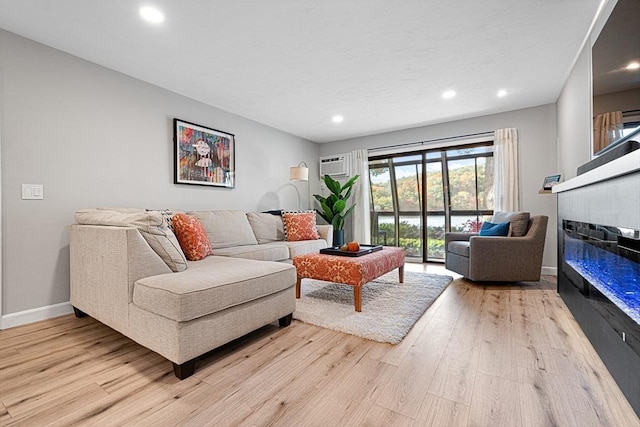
<point x="603" y="263"/>
<point x="599" y="280"/>
<point x="599" y="264"/>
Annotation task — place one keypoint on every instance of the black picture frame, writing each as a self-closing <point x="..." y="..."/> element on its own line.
<point x="203" y="155"/>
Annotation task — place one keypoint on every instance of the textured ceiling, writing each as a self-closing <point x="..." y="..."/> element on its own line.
<point x="293" y="64"/>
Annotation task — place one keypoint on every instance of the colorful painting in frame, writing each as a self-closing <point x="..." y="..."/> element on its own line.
<point x="203" y="156"/>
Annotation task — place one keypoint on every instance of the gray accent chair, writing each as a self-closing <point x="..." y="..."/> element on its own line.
<point x="498" y="259"/>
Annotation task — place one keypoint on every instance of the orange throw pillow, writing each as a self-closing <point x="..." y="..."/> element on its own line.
<point x="300" y="226"/>
<point x="192" y="238"/>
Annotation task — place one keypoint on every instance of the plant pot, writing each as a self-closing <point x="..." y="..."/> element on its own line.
<point x="338" y="237"/>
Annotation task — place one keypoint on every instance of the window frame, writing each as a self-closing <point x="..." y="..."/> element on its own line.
<point x="447" y="212"/>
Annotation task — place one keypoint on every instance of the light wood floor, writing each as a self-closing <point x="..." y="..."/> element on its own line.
<point x="480" y="356"/>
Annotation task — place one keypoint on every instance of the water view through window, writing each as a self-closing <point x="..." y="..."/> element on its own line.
<point x="413" y="210"/>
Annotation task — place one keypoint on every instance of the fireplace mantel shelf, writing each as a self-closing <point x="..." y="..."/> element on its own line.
<point x="620" y="166"/>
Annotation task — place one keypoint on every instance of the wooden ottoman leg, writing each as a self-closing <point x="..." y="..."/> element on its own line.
<point x="401" y="273"/>
<point x="357" y="297"/>
<point x="298" y="280"/>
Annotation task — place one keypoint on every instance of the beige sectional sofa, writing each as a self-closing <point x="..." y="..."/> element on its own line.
<point x="128" y="272"/>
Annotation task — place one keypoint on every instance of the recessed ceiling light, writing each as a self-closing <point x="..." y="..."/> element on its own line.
<point x="448" y="94"/>
<point x="633" y="66"/>
<point x="151" y="14"/>
<point x="502" y="93"/>
<point x="337" y="119"/>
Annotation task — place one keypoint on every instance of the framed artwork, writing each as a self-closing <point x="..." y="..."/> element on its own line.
<point x="550" y="181"/>
<point x="203" y="156"/>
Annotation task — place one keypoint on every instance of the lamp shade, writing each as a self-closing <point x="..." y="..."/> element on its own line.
<point x="299" y="173"/>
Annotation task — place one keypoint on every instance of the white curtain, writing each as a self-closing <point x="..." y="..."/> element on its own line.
<point x="361" y="196"/>
<point x="505" y="179"/>
<point x="607" y="128"/>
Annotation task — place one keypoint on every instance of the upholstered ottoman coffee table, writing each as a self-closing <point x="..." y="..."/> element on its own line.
<point x="353" y="271"/>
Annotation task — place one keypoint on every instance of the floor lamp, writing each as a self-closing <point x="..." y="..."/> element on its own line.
<point x="301" y="173"/>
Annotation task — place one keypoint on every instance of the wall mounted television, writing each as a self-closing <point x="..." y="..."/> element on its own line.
<point x="616" y="83"/>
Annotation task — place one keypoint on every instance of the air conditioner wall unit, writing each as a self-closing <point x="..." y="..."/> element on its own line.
<point x="335" y="165"/>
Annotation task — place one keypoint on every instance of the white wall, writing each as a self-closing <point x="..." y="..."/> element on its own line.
<point x="575" y="127"/>
<point x="537" y="154"/>
<point x="95" y="137"/>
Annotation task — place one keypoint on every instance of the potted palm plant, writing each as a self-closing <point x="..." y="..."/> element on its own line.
<point x="334" y="208"/>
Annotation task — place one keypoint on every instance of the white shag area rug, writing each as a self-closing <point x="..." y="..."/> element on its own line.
<point x="389" y="308"/>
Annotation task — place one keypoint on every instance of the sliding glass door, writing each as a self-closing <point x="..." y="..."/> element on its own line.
<point x="413" y="210"/>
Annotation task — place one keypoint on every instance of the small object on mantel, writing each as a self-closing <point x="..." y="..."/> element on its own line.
<point x="550" y="181"/>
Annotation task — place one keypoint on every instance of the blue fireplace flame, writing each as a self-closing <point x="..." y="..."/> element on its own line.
<point x="617" y="277"/>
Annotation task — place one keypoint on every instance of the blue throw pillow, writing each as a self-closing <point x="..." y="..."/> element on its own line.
<point x="491" y="229"/>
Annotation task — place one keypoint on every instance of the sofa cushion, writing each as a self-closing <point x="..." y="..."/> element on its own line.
<point x="519" y="222"/>
<point x="305" y="247"/>
<point x="459" y="248"/>
<point x="211" y="285"/>
<point x="226" y="228"/>
<point x="266" y="227"/>
<point x="152" y="227"/>
<point x="192" y="237"/>
<point x="263" y="252"/>
<point x="300" y="226"/>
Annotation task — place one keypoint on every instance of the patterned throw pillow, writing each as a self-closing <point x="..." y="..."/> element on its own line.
<point x="192" y="237"/>
<point x="300" y="226"/>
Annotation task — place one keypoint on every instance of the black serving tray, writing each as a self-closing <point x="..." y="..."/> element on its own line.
<point x="364" y="249"/>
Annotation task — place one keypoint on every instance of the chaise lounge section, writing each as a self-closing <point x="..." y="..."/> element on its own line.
<point x="119" y="277"/>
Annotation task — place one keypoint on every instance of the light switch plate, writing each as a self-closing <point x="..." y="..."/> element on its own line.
<point x="32" y="191"/>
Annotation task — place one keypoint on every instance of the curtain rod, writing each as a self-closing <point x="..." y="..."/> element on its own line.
<point x="407" y="144"/>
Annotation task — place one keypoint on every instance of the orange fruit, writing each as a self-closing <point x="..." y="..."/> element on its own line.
<point x="353" y="246"/>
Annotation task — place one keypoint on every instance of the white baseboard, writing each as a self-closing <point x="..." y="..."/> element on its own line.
<point x="35" y="315"/>
<point x="550" y="271"/>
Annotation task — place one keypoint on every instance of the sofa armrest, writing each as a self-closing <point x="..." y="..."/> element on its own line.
<point x="326" y="232"/>
<point x="455" y="236"/>
<point x="105" y="262"/>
